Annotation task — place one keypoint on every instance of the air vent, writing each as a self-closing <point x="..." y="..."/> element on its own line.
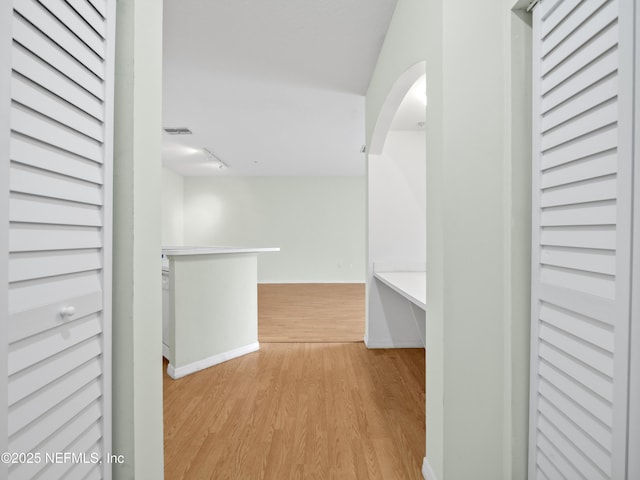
<point x="178" y="131"/>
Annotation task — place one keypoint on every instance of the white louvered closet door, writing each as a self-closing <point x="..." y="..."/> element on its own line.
<point x="59" y="294"/>
<point x="582" y="221"/>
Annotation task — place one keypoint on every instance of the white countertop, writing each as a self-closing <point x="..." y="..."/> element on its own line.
<point x="411" y="285"/>
<point x="205" y="250"/>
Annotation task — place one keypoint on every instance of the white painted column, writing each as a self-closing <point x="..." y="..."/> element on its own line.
<point x="137" y="312"/>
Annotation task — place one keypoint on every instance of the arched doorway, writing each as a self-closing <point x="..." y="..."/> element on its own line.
<point x="396" y="199"/>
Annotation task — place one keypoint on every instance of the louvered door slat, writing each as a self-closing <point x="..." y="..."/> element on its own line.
<point x="600" y="141"/>
<point x="59" y="303"/>
<point x="27" y="381"/>
<point x="589" y="121"/>
<point x="578" y="415"/>
<point x="35" y="125"/>
<point x="54" y="393"/>
<point x="586" y="100"/>
<point x="43" y="74"/>
<point x="28" y="352"/>
<point x="30" y="237"/>
<point x="72" y="20"/>
<point x="556" y="11"/>
<point x="595" y="166"/>
<point x="27" y="93"/>
<point x="583" y="11"/>
<point x="599" y="69"/>
<point x="582" y="467"/>
<point x="599" y="457"/>
<point x="31" y="322"/>
<point x="546" y="470"/>
<point x="560" y="463"/>
<point x="35" y="209"/>
<point x="28" y="439"/>
<point x="29" y="151"/>
<point x="89" y="15"/>
<point x="581" y="248"/>
<point x="100" y="6"/>
<point x="579" y="37"/>
<point x="595" y="213"/>
<point x="36" y="42"/>
<point x="35" y="294"/>
<point x="87" y="420"/>
<point x="585" y="328"/>
<point x="48" y="24"/>
<point x="585" y="191"/>
<point x="598" y="45"/>
<point x="28" y="180"/>
<point x="50" y="264"/>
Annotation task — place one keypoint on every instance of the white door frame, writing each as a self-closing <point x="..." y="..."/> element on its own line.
<point x="5" y="97"/>
<point x="633" y="467"/>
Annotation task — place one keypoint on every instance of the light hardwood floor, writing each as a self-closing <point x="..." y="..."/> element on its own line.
<point x="299" y="411"/>
<point x="306" y="312"/>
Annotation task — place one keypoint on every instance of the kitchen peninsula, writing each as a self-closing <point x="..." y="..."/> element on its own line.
<point x="210" y="305"/>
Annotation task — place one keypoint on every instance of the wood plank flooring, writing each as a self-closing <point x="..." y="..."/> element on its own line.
<point x="299" y="411"/>
<point x="309" y="312"/>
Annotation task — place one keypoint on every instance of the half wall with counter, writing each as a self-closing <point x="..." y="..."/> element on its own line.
<point x="210" y="304"/>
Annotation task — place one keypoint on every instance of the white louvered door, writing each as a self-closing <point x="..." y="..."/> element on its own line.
<point x="582" y="223"/>
<point x="59" y="259"/>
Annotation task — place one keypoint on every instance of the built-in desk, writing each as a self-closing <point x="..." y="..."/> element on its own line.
<point x="411" y="285"/>
<point x="211" y="305"/>
<point x="398" y="298"/>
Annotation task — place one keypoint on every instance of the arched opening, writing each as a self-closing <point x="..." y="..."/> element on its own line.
<point x="396" y="190"/>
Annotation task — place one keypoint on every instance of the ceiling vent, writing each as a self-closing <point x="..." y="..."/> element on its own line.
<point x="177" y="130"/>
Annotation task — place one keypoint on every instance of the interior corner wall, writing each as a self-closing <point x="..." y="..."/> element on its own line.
<point x="410" y="40"/>
<point x="137" y="288"/>
<point x="476" y="289"/>
<point x="318" y="223"/>
<point x="475" y="322"/>
<point x="172" y="208"/>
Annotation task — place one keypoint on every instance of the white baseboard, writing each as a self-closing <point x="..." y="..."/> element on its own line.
<point x="393" y="343"/>
<point x="211" y="361"/>
<point x="427" y="471"/>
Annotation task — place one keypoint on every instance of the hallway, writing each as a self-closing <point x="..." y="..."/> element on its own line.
<point x="299" y="410"/>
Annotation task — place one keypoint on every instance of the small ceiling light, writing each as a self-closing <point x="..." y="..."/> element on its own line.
<point x="212" y="156"/>
<point x="177" y="130"/>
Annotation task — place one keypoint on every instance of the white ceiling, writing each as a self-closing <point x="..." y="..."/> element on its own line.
<point x="271" y="88"/>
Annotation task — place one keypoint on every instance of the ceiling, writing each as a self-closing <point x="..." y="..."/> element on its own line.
<point x="269" y="88"/>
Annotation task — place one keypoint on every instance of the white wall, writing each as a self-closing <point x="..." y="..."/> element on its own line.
<point x="172" y="208"/>
<point x="397" y="237"/>
<point x="477" y="270"/>
<point x="205" y="325"/>
<point x="137" y="288"/>
<point x="318" y="222"/>
<point x="397" y="200"/>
